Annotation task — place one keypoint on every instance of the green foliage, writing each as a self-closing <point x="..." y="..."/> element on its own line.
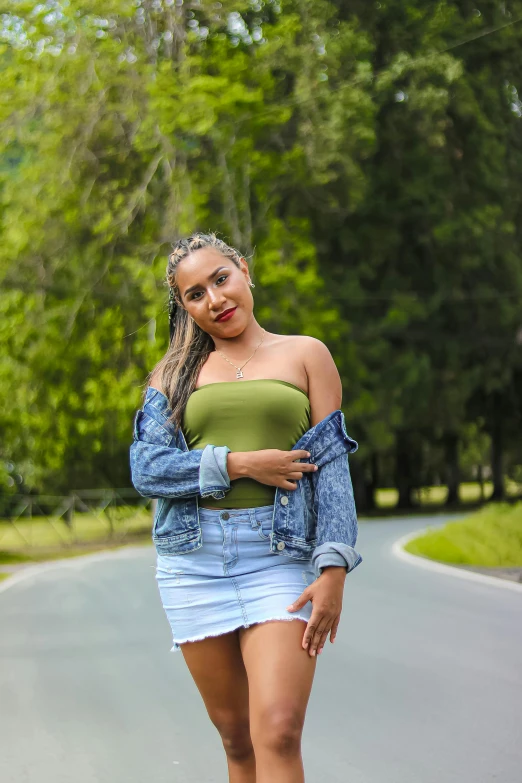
<point x="369" y="163"/>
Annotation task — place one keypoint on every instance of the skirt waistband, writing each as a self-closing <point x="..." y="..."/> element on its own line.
<point x="237" y="515"/>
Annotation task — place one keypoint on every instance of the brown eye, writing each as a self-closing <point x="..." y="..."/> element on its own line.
<point x="221" y="277"/>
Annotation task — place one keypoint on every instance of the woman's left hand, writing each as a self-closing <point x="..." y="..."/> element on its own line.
<point x="326" y="595"/>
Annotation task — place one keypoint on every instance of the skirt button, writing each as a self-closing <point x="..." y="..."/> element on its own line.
<point x="281" y="545"/>
<point x="225" y="515"/>
<point x="284" y="500"/>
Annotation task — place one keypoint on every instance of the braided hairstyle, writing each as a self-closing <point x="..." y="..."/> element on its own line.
<point x="189" y="346"/>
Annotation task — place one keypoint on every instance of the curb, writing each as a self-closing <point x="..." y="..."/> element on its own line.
<point x="69" y="562"/>
<point x="442" y="568"/>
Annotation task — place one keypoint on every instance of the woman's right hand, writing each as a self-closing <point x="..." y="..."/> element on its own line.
<point x="274" y="467"/>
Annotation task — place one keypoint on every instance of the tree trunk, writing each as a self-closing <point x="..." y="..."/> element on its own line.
<point x="480" y="478"/>
<point x="497" y="456"/>
<point x="403" y="472"/>
<point x="451" y="453"/>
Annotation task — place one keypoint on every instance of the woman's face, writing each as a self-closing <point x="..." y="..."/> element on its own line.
<point x="209" y="283"/>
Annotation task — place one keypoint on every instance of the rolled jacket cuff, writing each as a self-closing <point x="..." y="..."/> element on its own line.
<point x="332" y="553"/>
<point x="214" y="480"/>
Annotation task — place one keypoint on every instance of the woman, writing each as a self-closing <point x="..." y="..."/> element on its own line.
<point x="226" y="590"/>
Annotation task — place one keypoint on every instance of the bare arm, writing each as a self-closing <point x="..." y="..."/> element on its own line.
<point x="324" y="382"/>
<point x="274" y="467"/>
<point x="326" y="593"/>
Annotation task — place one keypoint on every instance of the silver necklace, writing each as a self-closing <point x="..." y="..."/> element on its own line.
<point x="239" y="373"/>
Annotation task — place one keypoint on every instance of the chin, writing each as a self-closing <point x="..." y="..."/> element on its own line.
<point x="233" y="330"/>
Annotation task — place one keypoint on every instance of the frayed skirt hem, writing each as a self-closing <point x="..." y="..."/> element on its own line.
<point x="177" y="642"/>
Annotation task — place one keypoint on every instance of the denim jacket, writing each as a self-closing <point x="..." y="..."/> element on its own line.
<point x="316" y="521"/>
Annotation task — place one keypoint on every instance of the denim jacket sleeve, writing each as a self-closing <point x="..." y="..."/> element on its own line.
<point x="334" y="505"/>
<point x="160" y="469"/>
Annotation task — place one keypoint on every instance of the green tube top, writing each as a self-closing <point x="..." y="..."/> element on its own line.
<point x="246" y="416"/>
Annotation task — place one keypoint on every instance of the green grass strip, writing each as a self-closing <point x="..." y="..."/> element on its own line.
<point x="490" y="537"/>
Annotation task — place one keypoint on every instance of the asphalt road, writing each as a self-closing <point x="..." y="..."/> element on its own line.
<point x="423" y="685"/>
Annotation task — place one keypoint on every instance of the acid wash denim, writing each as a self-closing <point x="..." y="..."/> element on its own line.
<point x="317" y="521"/>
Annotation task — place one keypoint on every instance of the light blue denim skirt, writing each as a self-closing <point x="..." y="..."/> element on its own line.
<point x="233" y="580"/>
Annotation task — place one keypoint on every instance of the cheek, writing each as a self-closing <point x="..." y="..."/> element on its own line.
<point x="197" y="313"/>
<point x="240" y="292"/>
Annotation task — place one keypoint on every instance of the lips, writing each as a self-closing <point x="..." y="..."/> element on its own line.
<point x="226" y="313"/>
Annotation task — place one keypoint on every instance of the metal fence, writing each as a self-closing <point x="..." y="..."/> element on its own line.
<point x="45" y="523"/>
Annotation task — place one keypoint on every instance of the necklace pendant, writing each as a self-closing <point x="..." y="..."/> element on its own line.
<point x="239" y="374"/>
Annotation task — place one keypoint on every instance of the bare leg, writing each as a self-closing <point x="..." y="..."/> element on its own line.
<point x="219" y="673"/>
<point x="280" y="675"/>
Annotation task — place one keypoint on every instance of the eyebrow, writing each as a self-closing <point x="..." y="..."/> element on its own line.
<point x="209" y="278"/>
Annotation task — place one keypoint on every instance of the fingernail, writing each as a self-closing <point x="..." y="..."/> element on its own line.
<point x="313" y="652"/>
<point x="315" y="467"/>
<point x="308" y="454"/>
<point x="319" y="651"/>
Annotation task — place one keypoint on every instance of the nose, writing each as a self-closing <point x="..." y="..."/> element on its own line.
<point x="215" y="298"/>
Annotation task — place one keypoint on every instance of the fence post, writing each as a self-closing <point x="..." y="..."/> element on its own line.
<point x="68" y="516"/>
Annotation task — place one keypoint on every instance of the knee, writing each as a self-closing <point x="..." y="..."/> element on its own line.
<point x="235" y="735"/>
<point x="280" y="732"/>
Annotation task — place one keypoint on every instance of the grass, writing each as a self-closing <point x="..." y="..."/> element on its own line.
<point x="45" y="538"/>
<point x="491" y="537"/>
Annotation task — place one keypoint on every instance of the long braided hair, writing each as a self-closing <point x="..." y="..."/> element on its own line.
<point x="189" y="345"/>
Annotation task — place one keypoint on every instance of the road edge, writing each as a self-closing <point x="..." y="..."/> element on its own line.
<point x="67" y="562"/>
<point x="442" y="568"/>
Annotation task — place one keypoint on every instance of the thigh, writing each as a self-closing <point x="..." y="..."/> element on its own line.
<point x="217" y="667"/>
<point x="280" y="672"/>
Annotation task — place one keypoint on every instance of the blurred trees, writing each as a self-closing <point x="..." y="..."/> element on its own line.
<point x="367" y="158"/>
<point x="429" y="266"/>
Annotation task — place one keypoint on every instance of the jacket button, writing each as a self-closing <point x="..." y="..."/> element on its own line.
<point x="281" y="545"/>
<point x="284" y="500"/>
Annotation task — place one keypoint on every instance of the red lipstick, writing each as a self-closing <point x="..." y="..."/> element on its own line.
<point x="226" y="314"/>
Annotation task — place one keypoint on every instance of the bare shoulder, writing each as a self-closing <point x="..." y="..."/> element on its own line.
<point x="316" y="354"/>
<point x="324" y="382"/>
<point x="156" y="380"/>
<point x="311" y="355"/>
<point x="300" y="342"/>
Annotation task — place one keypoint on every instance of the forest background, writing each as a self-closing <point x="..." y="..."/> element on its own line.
<point x="366" y="157"/>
